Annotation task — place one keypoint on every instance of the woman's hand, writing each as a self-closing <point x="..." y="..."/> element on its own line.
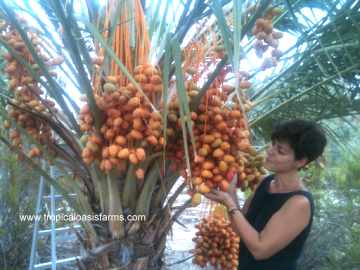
<point x="221" y="197"/>
<point x="228" y="198"/>
<point x="232" y="187"/>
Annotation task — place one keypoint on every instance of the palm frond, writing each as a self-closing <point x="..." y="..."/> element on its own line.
<point x="322" y="83"/>
<point x="51" y="85"/>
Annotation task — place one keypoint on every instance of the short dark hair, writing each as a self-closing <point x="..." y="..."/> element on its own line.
<point x="306" y="138"/>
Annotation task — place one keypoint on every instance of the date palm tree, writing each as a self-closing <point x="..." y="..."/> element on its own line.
<point x="60" y="50"/>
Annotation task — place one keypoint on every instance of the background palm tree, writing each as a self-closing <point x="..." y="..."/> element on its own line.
<point x="319" y="69"/>
<point x="320" y="80"/>
<point x="15" y="236"/>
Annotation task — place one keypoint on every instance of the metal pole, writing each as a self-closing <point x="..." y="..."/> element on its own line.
<point x="36" y="224"/>
<point x="53" y="224"/>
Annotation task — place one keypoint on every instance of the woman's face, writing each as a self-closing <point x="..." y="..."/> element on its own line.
<point x="280" y="158"/>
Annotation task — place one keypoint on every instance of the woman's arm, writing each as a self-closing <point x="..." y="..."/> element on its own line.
<point x="281" y="229"/>
<point x="244" y="209"/>
<point x="232" y="192"/>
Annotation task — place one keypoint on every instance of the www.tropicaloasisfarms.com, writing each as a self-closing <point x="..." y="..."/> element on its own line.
<point x="79" y="218"/>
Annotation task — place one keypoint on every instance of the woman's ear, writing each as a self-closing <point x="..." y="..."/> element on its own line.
<point x="301" y="163"/>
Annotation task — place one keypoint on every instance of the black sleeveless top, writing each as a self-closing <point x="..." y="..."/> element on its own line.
<point x="263" y="206"/>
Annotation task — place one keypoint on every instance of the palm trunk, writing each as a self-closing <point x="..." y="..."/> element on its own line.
<point x="139" y="249"/>
<point x="138" y="245"/>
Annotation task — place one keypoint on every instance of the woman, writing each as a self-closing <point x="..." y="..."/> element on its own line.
<point x="276" y="220"/>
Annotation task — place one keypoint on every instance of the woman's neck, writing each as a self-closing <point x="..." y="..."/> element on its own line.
<point x="288" y="181"/>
